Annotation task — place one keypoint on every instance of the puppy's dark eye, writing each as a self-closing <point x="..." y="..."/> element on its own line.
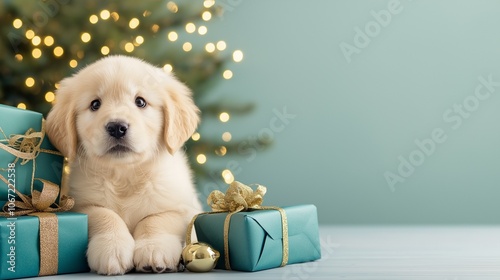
<point x="140" y="102"/>
<point x="95" y="105"/>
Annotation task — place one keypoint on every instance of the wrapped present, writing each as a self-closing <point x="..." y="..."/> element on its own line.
<point x="36" y="239"/>
<point x="251" y="237"/>
<point x="25" y="152"/>
<point x="26" y="252"/>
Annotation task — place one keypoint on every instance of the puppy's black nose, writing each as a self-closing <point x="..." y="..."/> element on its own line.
<point x="117" y="129"/>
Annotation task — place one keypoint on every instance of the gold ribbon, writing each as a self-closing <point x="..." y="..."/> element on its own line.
<point x="49" y="245"/>
<point x="240" y="197"/>
<point x="42" y="203"/>
<point x="39" y="201"/>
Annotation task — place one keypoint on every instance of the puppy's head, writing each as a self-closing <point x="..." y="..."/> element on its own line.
<point x="121" y="109"/>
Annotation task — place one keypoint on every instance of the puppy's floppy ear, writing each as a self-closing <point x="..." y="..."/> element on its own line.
<point x="182" y="115"/>
<point x="61" y="121"/>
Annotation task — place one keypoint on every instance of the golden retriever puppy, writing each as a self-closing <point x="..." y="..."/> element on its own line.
<point x="121" y="122"/>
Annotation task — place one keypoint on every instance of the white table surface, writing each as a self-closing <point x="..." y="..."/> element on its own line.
<point x="375" y="252"/>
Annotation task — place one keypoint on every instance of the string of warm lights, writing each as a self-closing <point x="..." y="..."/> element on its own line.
<point x="46" y="45"/>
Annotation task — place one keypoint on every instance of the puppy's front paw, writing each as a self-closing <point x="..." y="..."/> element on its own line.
<point x="160" y="253"/>
<point x="111" y="254"/>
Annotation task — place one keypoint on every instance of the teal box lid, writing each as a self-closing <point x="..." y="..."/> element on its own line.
<point x="14" y="121"/>
<point x="20" y="248"/>
<point x="256" y="240"/>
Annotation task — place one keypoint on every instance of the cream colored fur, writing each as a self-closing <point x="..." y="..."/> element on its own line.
<point x="139" y="201"/>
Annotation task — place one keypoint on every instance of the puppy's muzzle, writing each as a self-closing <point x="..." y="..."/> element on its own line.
<point x="117" y="130"/>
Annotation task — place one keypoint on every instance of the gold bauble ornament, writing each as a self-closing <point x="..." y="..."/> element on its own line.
<point x="199" y="257"/>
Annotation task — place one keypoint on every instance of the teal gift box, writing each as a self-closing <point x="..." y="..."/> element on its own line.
<point x="256" y="239"/>
<point x="48" y="164"/>
<point x="20" y="245"/>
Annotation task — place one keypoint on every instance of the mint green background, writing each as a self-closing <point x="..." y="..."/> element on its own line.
<point x="353" y="120"/>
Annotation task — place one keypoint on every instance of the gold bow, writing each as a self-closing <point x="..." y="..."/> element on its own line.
<point x="39" y="201"/>
<point x="240" y="197"/>
<point x="26" y="147"/>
